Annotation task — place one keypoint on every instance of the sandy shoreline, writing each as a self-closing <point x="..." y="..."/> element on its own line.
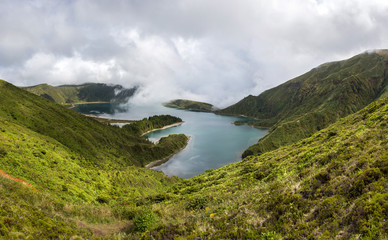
<point x="165" y="127"/>
<point x="161" y="161"/>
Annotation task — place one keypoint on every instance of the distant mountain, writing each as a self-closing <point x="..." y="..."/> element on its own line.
<point x="298" y="108"/>
<point x="88" y="92"/>
<point x="190" y="105"/>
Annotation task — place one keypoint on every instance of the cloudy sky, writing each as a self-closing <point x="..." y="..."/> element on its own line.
<point x="209" y="50"/>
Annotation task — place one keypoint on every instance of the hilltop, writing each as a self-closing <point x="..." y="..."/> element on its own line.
<point x="88" y="92"/>
<point x="190" y="105"/>
<point x="296" y="109"/>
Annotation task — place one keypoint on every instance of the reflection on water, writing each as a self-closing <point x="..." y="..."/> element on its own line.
<point x="214" y="140"/>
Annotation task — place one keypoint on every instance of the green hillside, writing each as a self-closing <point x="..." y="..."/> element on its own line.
<point x="312" y="101"/>
<point x="332" y="185"/>
<point x="190" y="105"/>
<point x="88" y="92"/>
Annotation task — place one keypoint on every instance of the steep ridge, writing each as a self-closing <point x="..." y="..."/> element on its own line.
<point x="332" y="185"/>
<point x="88" y="92"/>
<point x="310" y="102"/>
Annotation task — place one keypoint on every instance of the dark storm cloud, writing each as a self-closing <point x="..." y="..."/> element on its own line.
<point x="217" y="51"/>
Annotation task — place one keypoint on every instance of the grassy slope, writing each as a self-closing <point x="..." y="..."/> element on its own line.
<point x="306" y="104"/>
<point x="52" y="167"/>
<point x="89" y="92"/>
<point x="28" y="214"/>
<point x="83" y="171"/>
<point x="190" y="105"/>
<point x="330" y="185"/>
<point x="67" y="192"/>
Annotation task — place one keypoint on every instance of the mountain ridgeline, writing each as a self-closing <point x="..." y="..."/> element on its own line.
<point x="88" y="92"/>
<point x="298" y="108"/>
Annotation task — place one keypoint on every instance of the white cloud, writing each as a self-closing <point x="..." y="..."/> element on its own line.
<point x="217" y="51"/>
<point x="65" y="70"/>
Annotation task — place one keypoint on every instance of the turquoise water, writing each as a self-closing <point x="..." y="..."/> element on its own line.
<point x="214" y="140"/>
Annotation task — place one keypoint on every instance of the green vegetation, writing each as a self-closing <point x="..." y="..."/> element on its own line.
<point x="42" y="161"/>
<point x="144" y="220"/>
<point x="154" y="122"/>
<point x="332" y="185"/>
<point x="308" y="103"/>
<point x="28" y="214"/>
<point x="88" y="92"/>
<point x="190" y="105"/>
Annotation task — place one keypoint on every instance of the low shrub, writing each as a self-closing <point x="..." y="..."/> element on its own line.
<point x="144" y="220"/>
<point x="196" y="203"/>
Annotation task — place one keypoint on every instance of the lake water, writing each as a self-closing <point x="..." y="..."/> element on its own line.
<point x="214" y="140"/>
